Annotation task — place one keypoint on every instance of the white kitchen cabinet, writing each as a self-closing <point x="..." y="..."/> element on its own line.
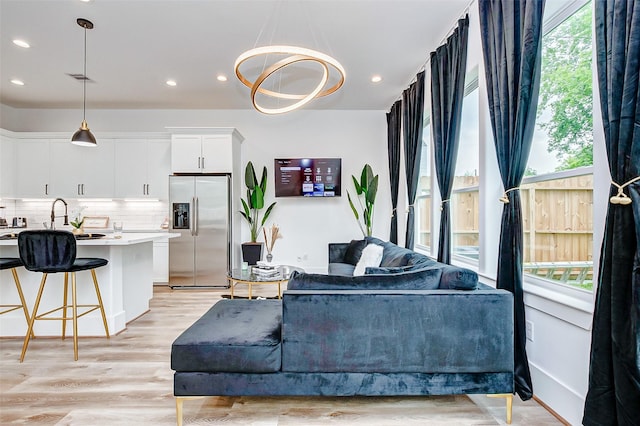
<point x="142" y="168"/>
<point x="7" y="161"/>
<point x="82" y="172"/>
<point x="32" y="167"/>
<point x="205" y="153"/>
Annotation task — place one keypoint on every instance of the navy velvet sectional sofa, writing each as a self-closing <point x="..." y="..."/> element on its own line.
<point x="410" y="326"/>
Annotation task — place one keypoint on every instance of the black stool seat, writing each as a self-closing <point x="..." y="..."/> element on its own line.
<point x="50" y="251"/>
<point x="10" y="262"/>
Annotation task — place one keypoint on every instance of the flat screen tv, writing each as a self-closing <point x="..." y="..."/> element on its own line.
<point x="307" y="177"/>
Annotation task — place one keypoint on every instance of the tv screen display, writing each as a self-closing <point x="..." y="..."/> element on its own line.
<point x="307" y="177"/>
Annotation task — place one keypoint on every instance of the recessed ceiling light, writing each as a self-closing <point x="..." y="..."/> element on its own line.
<point x="221" y="77"/>
<point x="21" y="43"/>
<point x="376" y="79"/>
<point x="17" y="82"/>
<point x="171" y="83"/>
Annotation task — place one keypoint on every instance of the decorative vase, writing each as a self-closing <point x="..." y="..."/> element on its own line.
<point x="269" y="257"/>
<point x="252" y="252"/>
<point x="78" y="231"/>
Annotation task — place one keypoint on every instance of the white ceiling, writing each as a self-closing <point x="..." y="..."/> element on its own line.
<point x="137" y="45"/>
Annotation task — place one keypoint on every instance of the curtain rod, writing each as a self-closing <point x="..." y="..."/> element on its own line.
<point x="423" y="67"/>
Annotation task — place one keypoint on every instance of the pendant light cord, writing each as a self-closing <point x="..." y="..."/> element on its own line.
<point x="84" y="80"/>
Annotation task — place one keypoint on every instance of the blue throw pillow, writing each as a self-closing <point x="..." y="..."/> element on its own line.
<point x="354" y="251"/>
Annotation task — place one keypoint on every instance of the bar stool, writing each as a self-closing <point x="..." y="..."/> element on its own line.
<point x="49" y="252"/>
<point x="13" y="263"/>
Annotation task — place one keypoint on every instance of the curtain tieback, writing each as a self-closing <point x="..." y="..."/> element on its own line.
<point x="621" y="197"/>
<point x="410" y="206"/>
<point x="504" y="199"/>
<point x="393" y="212"/>
<point x="442" y="203"/>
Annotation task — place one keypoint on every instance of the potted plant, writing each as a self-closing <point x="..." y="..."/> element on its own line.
<point x="366" y="191"/>
<point x="252" y="251"/>
<point x="77" y="222"/>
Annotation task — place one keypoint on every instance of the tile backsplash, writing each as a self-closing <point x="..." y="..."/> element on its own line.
<point x="135" y="215"/>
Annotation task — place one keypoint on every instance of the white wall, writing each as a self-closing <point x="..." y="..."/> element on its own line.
<point x="307" y="225"/>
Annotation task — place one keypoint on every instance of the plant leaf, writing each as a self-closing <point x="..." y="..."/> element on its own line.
<point x="250" y="176"/>
<point x="267" y="213"/>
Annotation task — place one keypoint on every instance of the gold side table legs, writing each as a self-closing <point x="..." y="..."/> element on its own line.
<point x="509" y="400"/>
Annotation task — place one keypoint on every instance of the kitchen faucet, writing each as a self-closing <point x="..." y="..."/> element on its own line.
<point x="53" y="214"/>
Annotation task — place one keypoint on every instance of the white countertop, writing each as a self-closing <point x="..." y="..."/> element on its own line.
<point x="128" y="238"/>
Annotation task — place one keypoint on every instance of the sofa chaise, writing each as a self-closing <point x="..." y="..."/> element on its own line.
<point x="409" y="326"/>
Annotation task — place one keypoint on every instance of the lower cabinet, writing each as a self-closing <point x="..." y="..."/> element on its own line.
<point x="161" y="262"/>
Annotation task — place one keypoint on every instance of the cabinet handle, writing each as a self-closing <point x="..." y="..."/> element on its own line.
<point x="83" y="189"/>
<point x="144" y="189"/>
<point x="46" y="189"/>
<point x="78" y="191"/>
<point x="203" y="162"/>
<point x="198" y="162"/>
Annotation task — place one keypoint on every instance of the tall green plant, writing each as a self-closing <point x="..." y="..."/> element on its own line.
<point x="255" y="200"/>
<point x="366" y="190"/>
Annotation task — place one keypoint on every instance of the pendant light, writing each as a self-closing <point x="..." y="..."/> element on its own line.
<point x="83" y="136"/>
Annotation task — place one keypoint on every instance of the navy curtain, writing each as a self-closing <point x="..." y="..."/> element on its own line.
<point x="614" y="373"/>
<point x="413" y="101"/>
<point x="511" y="32"/>
<point x="448" y="68"/>
<point x="394" y="124"/>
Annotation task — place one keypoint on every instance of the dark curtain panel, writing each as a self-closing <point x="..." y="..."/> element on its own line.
<point x="511" y="34"/>
<point x="448" y="68"/>
<point x="394" y="123"/>
<point x="614" y="373"/>
<point x="413" y="101"/>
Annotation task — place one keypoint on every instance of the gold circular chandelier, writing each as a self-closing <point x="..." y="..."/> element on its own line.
<point x="297" y="54"/>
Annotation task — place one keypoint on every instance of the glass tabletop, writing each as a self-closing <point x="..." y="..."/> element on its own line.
<point x="278" y="273"/>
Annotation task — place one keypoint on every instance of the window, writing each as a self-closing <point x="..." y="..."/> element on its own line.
<point x="424" y="194"/>
<point x="557" y="192"/>
<point x="465" y="194"/>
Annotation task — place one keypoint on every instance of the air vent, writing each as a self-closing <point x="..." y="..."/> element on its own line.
<point x="80" y="77"/>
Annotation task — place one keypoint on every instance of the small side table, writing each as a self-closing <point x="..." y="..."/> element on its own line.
<point x="246" y="276"/>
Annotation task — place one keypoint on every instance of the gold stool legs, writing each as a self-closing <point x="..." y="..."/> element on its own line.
<point x="23" y="303"/>
<point x="27" y="337"/>
<point x="104" y="315"/>
<point x="65" y="306"/>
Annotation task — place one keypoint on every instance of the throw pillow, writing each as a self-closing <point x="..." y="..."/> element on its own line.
<point x="371" y="257"/>
<point x="354" y="251"/>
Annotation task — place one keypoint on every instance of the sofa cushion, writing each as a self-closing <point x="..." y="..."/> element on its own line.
<point x="240" y="336"/>
<point x="457" y="278"/>
<point x="345" y="269"/>
<point x="425" y="279"/>
<point x="354" y="251"/>
<point x="395" y="256"/>
<point x="371" y="257"/>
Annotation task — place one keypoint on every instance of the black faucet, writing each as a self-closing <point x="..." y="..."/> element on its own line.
<point x="53" y="214"/>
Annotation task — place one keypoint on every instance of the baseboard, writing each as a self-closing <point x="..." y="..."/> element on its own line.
<point x="558" y="398"/>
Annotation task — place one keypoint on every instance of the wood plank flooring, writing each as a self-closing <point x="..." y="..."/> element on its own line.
<point x="127" y="380"/>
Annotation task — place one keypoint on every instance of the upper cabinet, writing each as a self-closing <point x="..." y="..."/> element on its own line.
<point x="142" y="168"/>
<point x="205" y="153"/>
<point x="7" y="160"/>
<point x="80" y="171"/>
<point x="31" y="168"/>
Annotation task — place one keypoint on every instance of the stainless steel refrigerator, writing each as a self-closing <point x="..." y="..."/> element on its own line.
<point x="200" y="211"/>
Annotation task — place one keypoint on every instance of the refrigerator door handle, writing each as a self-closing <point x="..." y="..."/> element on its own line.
<point x="192" y="226"/>
<point x="195" y="214"/>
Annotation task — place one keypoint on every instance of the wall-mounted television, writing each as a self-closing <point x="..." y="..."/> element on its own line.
<point x="307" y="177"/>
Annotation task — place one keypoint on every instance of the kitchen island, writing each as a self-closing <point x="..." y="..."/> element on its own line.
<point x="126" y="285"/>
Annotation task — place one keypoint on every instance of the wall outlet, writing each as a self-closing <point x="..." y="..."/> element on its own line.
<point x="529" y="330"/>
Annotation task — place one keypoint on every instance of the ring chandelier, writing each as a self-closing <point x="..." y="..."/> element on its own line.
<point x="297" y="54"/>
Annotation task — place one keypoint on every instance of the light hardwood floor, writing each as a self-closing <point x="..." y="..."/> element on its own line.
<point x="127" y="380"/>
